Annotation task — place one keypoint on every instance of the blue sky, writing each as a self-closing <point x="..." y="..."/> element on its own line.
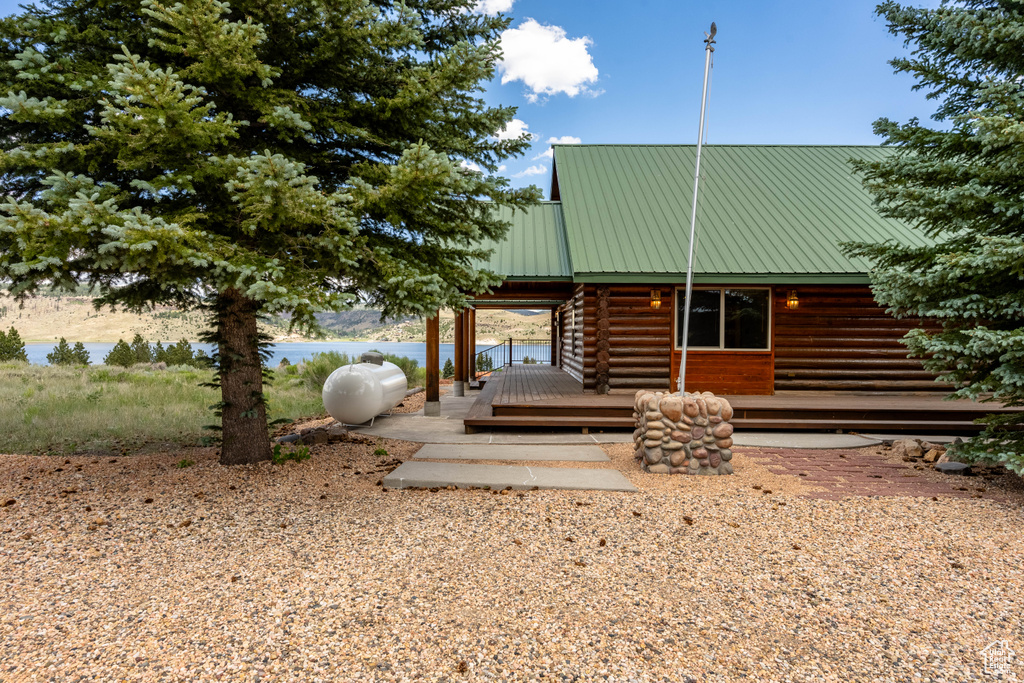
<point x="794" y="72"/>
<point x="789" y="72"/>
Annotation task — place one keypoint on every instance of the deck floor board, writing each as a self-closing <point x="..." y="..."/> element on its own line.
<point x="545" y="396"/>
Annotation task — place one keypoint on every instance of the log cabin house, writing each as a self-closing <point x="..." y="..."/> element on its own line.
<point x="778" y="310"/>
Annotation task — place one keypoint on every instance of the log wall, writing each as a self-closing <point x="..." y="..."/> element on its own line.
<point x="628" y="343"/>
<point x="571" y="351"/>
<point x="838" y="338"/>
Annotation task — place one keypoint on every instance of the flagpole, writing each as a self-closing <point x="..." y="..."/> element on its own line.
<point x="708" y="50"/>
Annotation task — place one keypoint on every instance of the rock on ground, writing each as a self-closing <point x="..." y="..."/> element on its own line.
<point x="131" y="568"/>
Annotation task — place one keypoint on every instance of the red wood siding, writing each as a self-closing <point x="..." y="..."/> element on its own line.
<point x="726" y="372"/>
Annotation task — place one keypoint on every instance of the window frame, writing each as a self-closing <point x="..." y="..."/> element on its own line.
<point x="680" y="294"/>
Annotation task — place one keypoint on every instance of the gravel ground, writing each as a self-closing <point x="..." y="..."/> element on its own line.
<point x="133" y="569"/>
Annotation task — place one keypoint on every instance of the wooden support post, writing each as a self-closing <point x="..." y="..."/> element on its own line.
<point x="432" y="408"/>
<point x="554" y="337"/>
<point x="471" y="345"/>
<point x="458" y="387"/>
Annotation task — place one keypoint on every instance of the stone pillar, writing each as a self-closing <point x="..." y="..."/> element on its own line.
<point x="432" y="408"/>
<point x="603" y="345"/>
<point x="458" y="388"/>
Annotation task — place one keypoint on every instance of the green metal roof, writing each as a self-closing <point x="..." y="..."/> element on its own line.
<point x="765" y="213"/>
<point x="534" y="247"/>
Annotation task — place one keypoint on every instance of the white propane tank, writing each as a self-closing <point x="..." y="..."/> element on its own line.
<point x="357" y="393"/>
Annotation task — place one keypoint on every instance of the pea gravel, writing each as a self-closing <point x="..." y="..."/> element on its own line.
<point x="131" y="568"/>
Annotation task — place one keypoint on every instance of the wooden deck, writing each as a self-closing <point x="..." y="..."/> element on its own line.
<point x="540" y="396"/>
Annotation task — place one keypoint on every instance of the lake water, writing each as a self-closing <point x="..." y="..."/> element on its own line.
<point x="293" y="351"/>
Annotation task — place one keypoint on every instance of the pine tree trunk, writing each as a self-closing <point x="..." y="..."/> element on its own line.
<point x="245" y="438"/>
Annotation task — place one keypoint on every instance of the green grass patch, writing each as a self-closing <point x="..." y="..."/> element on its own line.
<point x="99" y="409"/>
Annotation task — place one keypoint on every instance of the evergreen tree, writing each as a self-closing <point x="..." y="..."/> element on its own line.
<point x="960" y="183"/>
<point x="180" y="354"/>
<point x="12" y="348"/>
<point x="448" y="371"/>
<point x="121" y="355"/>
<point x="61" y="354"/>
<point x="79" y="355"/>
<point x="141" y="350"/>
<point x="251" y="160"/>
<point x="159" y="353"/>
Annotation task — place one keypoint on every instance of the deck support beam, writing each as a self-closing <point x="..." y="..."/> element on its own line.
<point x="458" y="388"/>
<point x="432" y="407"/>
<point x="554" y="337"/>
<point x="471" y="345"/>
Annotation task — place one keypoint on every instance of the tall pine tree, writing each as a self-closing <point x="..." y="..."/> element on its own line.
<point x="961" y="182"/>
<point x="252" y="159"/>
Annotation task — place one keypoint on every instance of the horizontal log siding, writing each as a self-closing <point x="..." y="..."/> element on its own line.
<point x="639" y="338"/>
<point x="839" y="338"/>
<point x="571" y="352"/>
<point x="746" y="373"/>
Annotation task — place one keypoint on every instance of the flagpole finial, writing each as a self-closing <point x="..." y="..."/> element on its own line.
<point x="710" y="37"/>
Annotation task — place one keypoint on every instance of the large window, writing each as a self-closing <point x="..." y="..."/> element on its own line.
<point x="726" y="318"/>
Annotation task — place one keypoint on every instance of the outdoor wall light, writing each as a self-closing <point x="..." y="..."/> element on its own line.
<point x="655" y="298"/>
<point x="791" y="299"/>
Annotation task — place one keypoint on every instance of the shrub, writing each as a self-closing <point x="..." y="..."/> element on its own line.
<point x="121" y="355"/>
<point x="405" y="364"/>
<point x="319" y="367"/>
<point x="12" y="348"/>
<point x="64" y="354"/>
<point x="279" y="457"/>
<point x="448" y="371"/>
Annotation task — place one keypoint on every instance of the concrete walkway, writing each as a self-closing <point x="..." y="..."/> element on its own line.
<point x="497" y="477"/>
<point x="588" y="453"/>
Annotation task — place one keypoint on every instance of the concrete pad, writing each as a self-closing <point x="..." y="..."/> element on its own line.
<point x="433" y="430"/>
<point x="811" y="440"/>
<point x="534" y="437"/>
<point x="523" y="452"/>
<point x="430" y="474"/>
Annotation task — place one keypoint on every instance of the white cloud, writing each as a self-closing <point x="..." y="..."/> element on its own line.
<point x="546" y="60"/>
<point x="493" y="6"/>
<point x="564" y="140"/>
<point x="514" y="129"/>
<point x="470" y="165"/>
<point x="533" y="170"/>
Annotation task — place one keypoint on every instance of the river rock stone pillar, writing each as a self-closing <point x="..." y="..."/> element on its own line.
<point x="686" y="433"/>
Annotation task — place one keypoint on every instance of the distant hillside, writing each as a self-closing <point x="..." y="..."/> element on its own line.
<point x="356" y="324"/>
<point x="47" y="318"/>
